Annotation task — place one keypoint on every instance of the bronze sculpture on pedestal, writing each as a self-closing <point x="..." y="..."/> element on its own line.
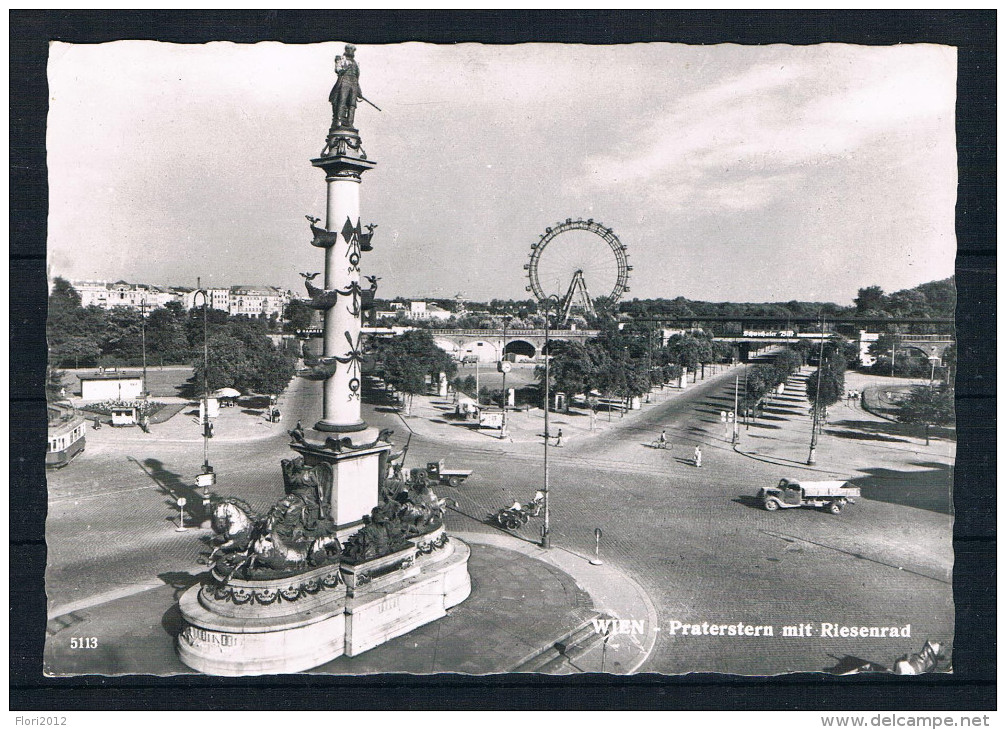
<point x="346" y="91"/>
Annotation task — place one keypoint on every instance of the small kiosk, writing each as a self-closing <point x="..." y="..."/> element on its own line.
<point x="124" y="415"/>
<point x="491" y="418"/>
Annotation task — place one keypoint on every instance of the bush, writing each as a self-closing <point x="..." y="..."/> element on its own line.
<point x="143" y="408"/>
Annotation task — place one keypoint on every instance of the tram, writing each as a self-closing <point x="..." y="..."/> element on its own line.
<point x="66" y="435"/>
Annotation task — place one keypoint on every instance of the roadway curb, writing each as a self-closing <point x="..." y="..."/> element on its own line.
<point x="779" y="461"/>
<point x="624" y="592"/>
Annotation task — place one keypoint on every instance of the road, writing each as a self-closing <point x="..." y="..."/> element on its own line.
<point x="701" y="550"/>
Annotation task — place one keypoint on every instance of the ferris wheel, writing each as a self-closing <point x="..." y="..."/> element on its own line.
<point x="574" y="259"/>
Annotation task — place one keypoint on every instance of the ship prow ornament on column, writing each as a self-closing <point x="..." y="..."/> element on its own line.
<point x="349" y="558"/>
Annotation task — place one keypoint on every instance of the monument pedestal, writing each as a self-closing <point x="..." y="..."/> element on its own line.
<point x="359" y="465"/>
<point x="245" y="628"/>
<point x="422" y="589"/>
<point x="251" y="627"/>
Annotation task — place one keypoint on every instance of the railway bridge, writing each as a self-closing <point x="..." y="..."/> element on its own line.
<point x="488" y="344"/>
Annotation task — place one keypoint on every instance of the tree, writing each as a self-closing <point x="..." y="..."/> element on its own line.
<point x="226" y="363"/>
<point x="176" y="309"/>
<point x="248" y="363"/>
<point x="870" y="299"/>
<point x="882" y="345"/>
<point x="166" y="336"/>
<point x="297" y="316"/>
<point x="122" y="337"/>
<point x="572" y="369"/>
<point x="690" y="351"/>
<point x="63" y="323"/>
<point x="785" y="363"/>
<point x="270" y="371"/>
<point x="826" y="385"/>
<point x="929" y="406"/>
<point x="408" y="358"/>
<point x="78" y="349"/>
<point x="950" y="363"/>
<point x="53" y="383"/>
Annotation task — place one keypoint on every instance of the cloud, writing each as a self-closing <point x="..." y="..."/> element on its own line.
<point x="749" y="139"/>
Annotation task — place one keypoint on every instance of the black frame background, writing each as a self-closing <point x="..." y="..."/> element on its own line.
<point x="972" y="686"/>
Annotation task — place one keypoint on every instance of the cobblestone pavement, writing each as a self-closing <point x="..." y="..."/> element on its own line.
<point x="522" y="603"/>
<point x="519" y="607"/>
<point x="693" y="538"/>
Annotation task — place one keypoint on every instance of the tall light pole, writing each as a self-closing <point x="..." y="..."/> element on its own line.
<point x="143" y="341"/>
<point x="649" y="360"/>
<point x="546" y="534"/>
<point x="737" y="383"/>
<point x="747" y="402"/>
<point x="894" y="350"/>
<point x="504" y="367"/>
<point x="817" y="401"/>
<point x="206" y="478"/>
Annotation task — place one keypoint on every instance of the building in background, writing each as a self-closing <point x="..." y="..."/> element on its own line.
<point x="123" y="294"/>
<point x="416" y="309"/>
<point x="244" y="300"/>
<point x="257" y="301"/>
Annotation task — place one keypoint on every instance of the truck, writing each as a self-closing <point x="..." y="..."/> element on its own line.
<point x="830" y="495"/>
<point x="436" y="472"/>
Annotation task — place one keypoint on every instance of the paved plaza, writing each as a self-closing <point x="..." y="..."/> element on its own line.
<point x="691" y="542"/>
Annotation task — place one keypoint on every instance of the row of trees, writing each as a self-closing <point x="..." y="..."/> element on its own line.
<point x="627" y="363"/>
<point x="826" y="385"/>
<point x="761" y="380"/>
<point x="933" y="299"/>
<point x="617" y="364"/>
<point x="241" y="354"/>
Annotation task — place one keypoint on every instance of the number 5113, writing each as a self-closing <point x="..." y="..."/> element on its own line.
<point x="84" y="642"/>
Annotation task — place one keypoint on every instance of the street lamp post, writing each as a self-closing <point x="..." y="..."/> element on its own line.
<point x="206" y="478"/>
<point x="143" y="341"/>
<point x="504" y="366"/>
<point x="649" y="361"/>
<point x="546" y="535"/>
<point x="737" y="383"/>
<point x="817" y="402"/>
<point x="747" y="401"/>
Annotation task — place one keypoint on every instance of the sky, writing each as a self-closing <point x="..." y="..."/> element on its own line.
<point x="730" y="173"/>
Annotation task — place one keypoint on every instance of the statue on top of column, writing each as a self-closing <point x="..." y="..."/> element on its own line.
<point x="346" y="91"/>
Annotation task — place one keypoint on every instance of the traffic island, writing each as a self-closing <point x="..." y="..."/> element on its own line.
<point x="521" y="613"/>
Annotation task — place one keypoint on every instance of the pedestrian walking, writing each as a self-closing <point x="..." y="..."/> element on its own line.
<point x="558" y="438"/>
<point x="698" y="456"/>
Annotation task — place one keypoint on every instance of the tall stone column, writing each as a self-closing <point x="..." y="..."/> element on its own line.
<point x="344" y="166"/>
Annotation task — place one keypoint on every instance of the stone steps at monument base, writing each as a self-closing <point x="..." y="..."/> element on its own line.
<point x="569" y="645"/>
